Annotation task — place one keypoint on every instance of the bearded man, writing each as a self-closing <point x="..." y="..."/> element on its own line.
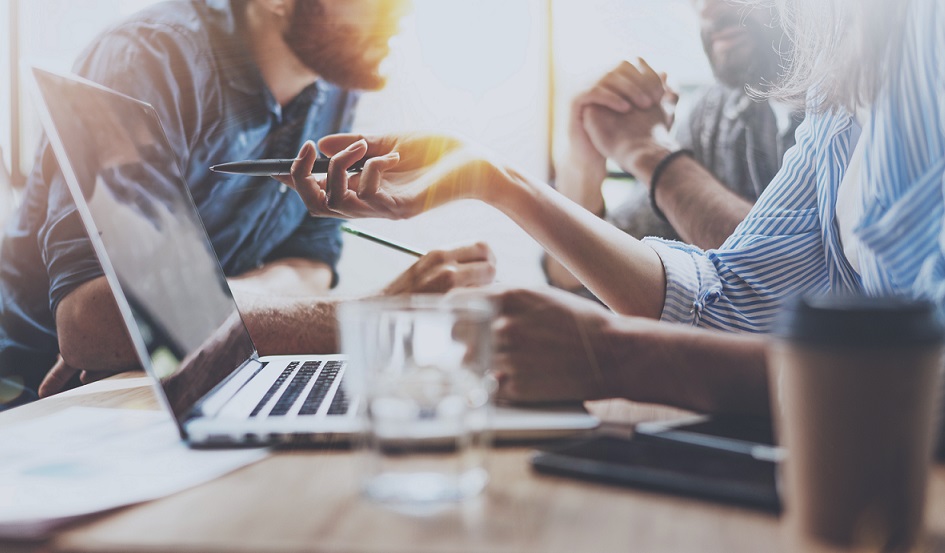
<point x="230" y="80"/>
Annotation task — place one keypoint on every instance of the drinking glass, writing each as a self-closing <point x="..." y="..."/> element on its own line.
<point x="420" y="366"/>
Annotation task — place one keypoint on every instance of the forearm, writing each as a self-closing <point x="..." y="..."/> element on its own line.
<point x="284" y="308"/>
<point x="92" y="333"/>
<point x="701" y="209"/>
<point x="624" y="273"/>
<point x="581" y="184"/>
<point x="289" y="325"/>
<point x="694" y="369"/>
<point x="559" y="276"/>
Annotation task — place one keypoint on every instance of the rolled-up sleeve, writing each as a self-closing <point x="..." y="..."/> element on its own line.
<point x="69" y="257"/>
<point x="125" y="61"/>
<point x="776" y="252"/>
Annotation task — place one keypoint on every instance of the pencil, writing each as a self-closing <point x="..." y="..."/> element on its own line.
<point x="382" y="241"/>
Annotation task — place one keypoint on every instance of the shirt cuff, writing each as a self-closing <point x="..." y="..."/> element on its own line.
<point x="692" y="283"/>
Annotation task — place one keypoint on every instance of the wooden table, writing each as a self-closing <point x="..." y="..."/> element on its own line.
<point x="307" y="501"/>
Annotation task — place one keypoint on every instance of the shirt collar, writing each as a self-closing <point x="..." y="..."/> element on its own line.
<point x="240" y="71"/>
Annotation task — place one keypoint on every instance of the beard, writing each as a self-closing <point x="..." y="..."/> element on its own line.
<point x="758" y="62"/>
<point x="344" y="54"/>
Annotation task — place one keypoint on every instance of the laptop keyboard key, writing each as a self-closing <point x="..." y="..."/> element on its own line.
<point x="274" y="388"/>
<point x="318" y="393"/>
<point x="294" y="390"/>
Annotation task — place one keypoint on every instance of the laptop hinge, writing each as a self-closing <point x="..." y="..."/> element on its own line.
<point x="217" y="398"/>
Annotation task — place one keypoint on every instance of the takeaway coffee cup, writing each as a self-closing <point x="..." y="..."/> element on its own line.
<point x="854" y="387"/>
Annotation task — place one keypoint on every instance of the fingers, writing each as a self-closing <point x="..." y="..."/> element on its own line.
<point x="443" y="270"/>
<point x="480" y="251"/>
<point x="444" y="278"/>
<point x="337" y="183"/>
<point x="627" y="81"/>
<point x="463" y="267"/>
<point x="671" y="95"/>
<point x="335" y="143"/>
<point x="637" y="84"/>
<point x="372" y="173"/>
<point x="300" y="179"/>
<point x="466" y="266"/>
<point x="650" y="81"/>
<point x="57" y="378"/>
<point x="602" y="97"/>
<point x="376" y="145"/>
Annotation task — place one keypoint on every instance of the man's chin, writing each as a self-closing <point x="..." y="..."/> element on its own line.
<point x="370" y="82"/>
<point x="351" y="76"/>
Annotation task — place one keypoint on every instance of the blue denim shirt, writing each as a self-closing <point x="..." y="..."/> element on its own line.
<point x="190" y="60"/>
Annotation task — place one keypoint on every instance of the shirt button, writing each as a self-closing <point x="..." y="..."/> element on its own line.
<point x="283" y="188"/>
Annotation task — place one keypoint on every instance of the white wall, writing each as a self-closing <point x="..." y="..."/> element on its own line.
<point x="476" y="68"/>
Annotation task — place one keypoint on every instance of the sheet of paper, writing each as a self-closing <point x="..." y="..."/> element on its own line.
<point x="85" y="460"/>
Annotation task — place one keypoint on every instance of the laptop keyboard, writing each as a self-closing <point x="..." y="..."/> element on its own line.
<point x="339" y="405"/>
<point x="320" y="390"/>
<point x="293" y="391"/>
<point x="274" y="388"/>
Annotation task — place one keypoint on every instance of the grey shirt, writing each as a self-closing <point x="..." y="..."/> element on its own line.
<point x="733" y="136"/>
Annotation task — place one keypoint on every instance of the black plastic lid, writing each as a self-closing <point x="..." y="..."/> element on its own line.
<point x="860" y="321"/>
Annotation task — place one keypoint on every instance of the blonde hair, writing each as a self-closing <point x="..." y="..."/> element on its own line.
<point x="841" y="48"/>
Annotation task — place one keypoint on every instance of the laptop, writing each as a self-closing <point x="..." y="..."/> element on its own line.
<point x="173" y="295"/>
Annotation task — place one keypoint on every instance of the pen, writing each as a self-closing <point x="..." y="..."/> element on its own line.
<point x="270" y="167"/>
<point x="382" y="241"/>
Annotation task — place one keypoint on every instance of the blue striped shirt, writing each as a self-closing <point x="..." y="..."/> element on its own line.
<point x="790" y="241"/>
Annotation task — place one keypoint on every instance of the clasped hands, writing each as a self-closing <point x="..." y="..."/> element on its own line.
<point x="624" y="116"/>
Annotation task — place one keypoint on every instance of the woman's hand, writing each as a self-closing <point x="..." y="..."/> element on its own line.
<point x="440" y="271"/>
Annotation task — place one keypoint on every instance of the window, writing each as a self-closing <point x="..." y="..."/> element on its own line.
<point x="52" y="33"/>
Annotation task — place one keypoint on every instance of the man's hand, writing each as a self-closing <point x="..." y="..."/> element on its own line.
<point x="554" y="346"/>
<point x="443" y="270"/>
<point x="61" y="373"/>
<point x="582" y="171"/>
<point x="636" y="140"/>
<point x="622" y="90"/>
<point x="629" y="136"/>
<point x="632" y="86"/>
<point x="403" y="176"/>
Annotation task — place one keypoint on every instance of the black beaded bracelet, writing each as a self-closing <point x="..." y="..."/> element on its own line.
<point x="658" y="172"/>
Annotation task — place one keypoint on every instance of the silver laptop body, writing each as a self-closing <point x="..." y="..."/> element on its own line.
<point x="173" y="295"/>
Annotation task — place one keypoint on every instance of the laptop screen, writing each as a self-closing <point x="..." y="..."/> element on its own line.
<point x="148" y="236"/>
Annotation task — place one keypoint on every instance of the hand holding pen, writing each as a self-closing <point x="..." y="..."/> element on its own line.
<point x="404" y="175"/>
<point x="342" y="168"/>
<point x="436" y="271"/>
